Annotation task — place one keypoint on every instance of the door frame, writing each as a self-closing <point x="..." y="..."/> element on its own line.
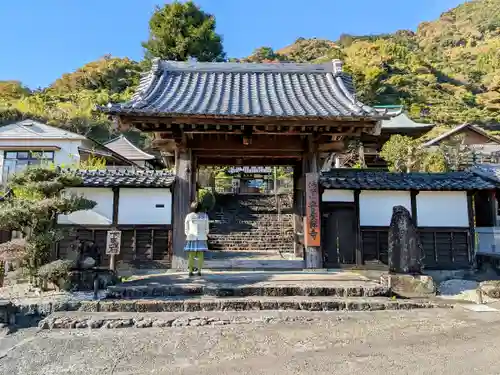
<point x="330" y="207"/>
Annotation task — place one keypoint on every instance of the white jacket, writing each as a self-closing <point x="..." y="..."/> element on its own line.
<point x="196" y="226"/>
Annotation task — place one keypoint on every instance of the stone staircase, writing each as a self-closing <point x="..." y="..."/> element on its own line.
<point x="252" y="223"/>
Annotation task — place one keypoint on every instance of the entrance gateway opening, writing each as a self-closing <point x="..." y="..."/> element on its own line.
<point x="248" y="122"/>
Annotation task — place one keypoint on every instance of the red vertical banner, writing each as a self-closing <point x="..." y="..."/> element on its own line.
<point x="312" y="221"/>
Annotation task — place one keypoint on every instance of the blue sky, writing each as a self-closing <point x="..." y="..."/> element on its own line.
<point x="42" y="39"/>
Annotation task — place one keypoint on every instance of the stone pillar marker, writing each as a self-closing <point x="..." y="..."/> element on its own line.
<point x="405" y="249"/>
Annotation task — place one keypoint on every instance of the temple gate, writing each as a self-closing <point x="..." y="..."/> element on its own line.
<point x="249" y="114"/>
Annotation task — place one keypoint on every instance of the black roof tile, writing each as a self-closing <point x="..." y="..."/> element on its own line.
<point x="138" y="178"/>
<point x="382" y="180"/>
<point x="246" y="89"/>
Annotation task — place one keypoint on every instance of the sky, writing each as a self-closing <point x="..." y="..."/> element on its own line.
<point x="42" y="39"/>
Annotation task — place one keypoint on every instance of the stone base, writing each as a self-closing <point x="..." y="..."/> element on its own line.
<point x="490" y="288"/>
<point x="409" y="285"/>
<point x="84" y="279"/>
<point x="7" y="312"/>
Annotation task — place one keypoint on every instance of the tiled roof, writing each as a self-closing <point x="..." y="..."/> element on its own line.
<point x="381" y="180"/>
<point x="402" y="121"/>
<point x="30" y="129"/>
<point x="246" y="90"/>
<point x="458" y="129"/>
<point x="490" y="172"/>
<point x="125" y="148"/>
<point x="140" y="178"/>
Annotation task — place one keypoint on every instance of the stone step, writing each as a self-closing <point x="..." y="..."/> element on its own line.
<point x="254" y="303"/>
<point x="154" y="314"/>
<point x="80" y="319"/>
<point x="353" y="289"/>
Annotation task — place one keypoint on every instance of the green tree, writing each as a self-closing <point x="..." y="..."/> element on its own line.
<point x="32" y="209"/>
<point x="403" y="154"/>
<point x="178" y="31"/>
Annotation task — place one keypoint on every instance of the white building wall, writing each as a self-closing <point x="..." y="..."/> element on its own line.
<point x="67" y="156"/>
<point x="331" y="195"/>
<point x="101" y="214"/>
<point x="375" y="207"/>
<point x="145" y="206"/>
<point x="442" y="209"/>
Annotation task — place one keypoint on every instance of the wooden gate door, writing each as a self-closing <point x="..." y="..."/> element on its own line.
<point x="339" y="241"/>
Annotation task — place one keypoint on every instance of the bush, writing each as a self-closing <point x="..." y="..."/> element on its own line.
<point x="56" y="272"/>
<point x="207" y="199"/>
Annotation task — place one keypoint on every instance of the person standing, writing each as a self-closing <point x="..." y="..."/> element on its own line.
<point x="196" y="227"/>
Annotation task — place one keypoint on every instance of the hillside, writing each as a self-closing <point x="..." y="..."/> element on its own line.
<point x="447" y="72"/>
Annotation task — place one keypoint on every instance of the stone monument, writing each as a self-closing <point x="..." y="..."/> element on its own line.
<point x="405" y="249"/>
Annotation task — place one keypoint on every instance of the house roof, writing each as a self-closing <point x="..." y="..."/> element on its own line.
<point x="30" y="129"/>
<point x="458" y="129"/>
<point x="490" y="172"/>
<point x="382" y="180"/>
<point x="402" y="121"/>
<point x="140" y="178"/>
<point x="127" y="149"/>
<point x="284" y="90"/>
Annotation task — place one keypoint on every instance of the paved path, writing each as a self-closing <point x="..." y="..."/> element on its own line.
<point x="438" y="341"/>
<point x="240" y="278"/>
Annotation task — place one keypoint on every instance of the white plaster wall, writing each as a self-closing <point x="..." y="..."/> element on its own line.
<point x="101" y="214"/>
<point x="442" y="209"/>
<point x="332" y="195"/>
<point x="375" y="207"/>
<point x="139" y="206"/>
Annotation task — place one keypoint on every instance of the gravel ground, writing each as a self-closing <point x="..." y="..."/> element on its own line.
<point x="436" y="341"/>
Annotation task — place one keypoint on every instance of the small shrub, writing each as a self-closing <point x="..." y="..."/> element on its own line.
<point x="56" y="272"/>
<point x="207" y="199"/>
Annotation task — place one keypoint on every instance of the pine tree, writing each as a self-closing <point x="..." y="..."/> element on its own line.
<point x="36" y="198"/>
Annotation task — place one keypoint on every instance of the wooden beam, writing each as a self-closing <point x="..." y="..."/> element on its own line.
<point x="259" y="143"/>
<point x="252" y="161"/>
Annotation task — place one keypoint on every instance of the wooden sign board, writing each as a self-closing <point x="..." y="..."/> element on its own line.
<point x="113" y="242"/>
<point x="312" y="221"/>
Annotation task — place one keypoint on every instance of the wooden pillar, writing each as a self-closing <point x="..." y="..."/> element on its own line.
<point x="181" y="201"/>
<point x="194" y="179"/>
<point x="298" y="211"/>
<point x="414" y="215"/>
<point x="358" y="239"/>
<point x="313" y="254"/>
<point x="116" y="208"/>
<point x="472" y="231"/>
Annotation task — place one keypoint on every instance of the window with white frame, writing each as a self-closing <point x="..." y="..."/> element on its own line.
<point x="16" y="161"/>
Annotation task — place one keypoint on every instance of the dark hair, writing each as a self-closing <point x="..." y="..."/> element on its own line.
<point x="196" y="206"/>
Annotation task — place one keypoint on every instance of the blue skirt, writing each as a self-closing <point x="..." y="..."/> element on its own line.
<point x="196" y="245"/>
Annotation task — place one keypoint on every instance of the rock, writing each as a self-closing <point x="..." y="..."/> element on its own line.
<point x="143" y="323"/>
<point x="180" y="322"/>
<point x="198" y="322"/>
<point x="405" y="249"/>
<point x="491" y="288"/>
<point x="162" y="323"/>
<point x="410" y="285"/>
<point x="82" y="324"/>
<point x="95" y="324"/>
<point x="88" y="262"/>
